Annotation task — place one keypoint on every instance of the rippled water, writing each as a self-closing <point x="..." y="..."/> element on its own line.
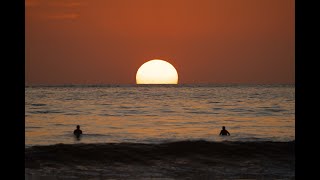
<point x="152" y="114"/>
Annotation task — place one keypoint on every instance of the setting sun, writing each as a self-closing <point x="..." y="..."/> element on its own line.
<point x="157" y="72"/>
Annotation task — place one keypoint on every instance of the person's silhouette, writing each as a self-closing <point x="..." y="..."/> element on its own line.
<point x="224" y="131"/>
<point x="77" y="132"/>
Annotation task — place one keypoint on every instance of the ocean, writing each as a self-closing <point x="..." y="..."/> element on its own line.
<point x="158" y="113"/>
<point x="160" y="132"/>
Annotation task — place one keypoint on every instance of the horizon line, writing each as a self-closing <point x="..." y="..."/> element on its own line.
<point x="133" y="84"/>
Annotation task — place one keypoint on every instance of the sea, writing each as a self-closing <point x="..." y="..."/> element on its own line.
<point x="156" y="114"/>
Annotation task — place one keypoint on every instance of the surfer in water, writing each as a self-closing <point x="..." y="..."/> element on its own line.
<point x="77" y="132"/>
<point x="224" y="132"/>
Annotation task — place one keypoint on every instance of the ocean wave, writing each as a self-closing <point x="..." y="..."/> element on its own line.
<point x="276" y="110"/>
<point x="38" y="104"/>
<point x="32" y="127"/>
<point x="141" y="153"/>
<point x="98" y="135"/>
<point x="45" y="112"/>
<point x="172" y="160"/>
<point x="240" y="110"/>
<point x="214" y="102"/>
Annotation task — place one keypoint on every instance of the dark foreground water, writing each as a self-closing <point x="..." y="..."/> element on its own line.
<point x="175" y="160"/>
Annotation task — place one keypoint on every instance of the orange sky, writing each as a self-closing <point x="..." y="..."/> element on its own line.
<point x="207" y="41"/>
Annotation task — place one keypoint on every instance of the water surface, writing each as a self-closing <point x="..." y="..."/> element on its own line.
<point x="155" y="114"/>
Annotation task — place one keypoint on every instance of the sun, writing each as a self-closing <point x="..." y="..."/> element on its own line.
<point x="157" y="71"/>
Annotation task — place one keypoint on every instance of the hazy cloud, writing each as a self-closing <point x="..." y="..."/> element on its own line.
<point x="54" y="9"/>
<point x="54" y="3"/>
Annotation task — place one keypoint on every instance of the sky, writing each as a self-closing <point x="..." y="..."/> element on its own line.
<point x="207" y="41"/>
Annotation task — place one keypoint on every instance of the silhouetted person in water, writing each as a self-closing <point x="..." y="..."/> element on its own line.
<point x="224" y="132"/>
<point x="77" y="132"/>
